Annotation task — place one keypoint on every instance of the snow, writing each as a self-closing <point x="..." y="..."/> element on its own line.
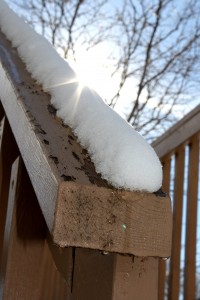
<point x="120" y="154"/>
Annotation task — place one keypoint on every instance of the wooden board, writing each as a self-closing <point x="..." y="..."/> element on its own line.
<point x="124" y="222"/>
<point x="135" y="278"/>
<point x="111" y="220"/>
<point x="179" y="133"/>
<point x="56" y="156"/>
<point x="27" y="266"/>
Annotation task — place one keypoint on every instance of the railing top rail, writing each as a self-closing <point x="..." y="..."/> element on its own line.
<point x="179" y="133"/>
<point x="79" y="207"/>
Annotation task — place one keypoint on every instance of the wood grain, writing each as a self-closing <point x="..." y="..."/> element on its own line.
<point x="113" y="220"/>
<point x="56" y="155"/>
<point x="54" y="159"/>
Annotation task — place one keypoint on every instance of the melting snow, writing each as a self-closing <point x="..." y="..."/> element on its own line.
<point x="119" y="153"/>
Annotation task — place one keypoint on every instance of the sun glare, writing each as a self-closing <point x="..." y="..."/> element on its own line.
<point x="91" y="70"/>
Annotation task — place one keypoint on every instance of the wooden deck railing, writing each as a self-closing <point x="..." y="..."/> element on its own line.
<point x="64" y="232"/>
<point x="178" y="149"/>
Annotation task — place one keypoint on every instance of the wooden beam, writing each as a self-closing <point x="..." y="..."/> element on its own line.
<point x="178" y="134"/>
<point x="113" y="220"/>
<point x="56" y="156"/>
<point x="57" y="162"/>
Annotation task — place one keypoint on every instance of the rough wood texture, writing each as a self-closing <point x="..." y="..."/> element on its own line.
<point x="111" y="220"/>
<point x="178" y="134"/>
<point x="135" y="278"/>
<point x="126" y="222"/>
<point x="56" y="155"/>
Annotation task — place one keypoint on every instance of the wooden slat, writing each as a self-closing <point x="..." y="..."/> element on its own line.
<point x="162" y="263"/>
<point x="174" y="280"/>
<point x="135" y="278"/>
<point x="27" y="266"/>
<point x="178" y="134"/>
<point x="166" y="173"/>
<point x="8" y="153"/>
<point x="191" y="223"/>
<point x="113" y="220"/>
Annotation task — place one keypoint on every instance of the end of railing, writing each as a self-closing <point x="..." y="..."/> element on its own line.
<point x="81" y="210"/>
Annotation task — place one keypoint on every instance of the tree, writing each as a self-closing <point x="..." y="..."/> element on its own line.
<point x="155" y="45"/>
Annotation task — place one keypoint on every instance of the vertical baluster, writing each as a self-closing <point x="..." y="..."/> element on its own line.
<point x="191" y="222"/>
<point x="174" y="279"/>
<point x="162" y="263"/>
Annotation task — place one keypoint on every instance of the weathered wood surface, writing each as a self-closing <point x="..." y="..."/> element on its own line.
<point x="55" y="154"/>
<point x="178" y="134"/>
<point x="52" y="155"/>
<point x="113" y="220"/>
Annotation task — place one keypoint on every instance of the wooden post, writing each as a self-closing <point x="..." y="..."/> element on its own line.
<point x="174" y="280"/>
<point x="135" y="278"/>
<point x="93" y="275"/>
<point x="162" y="263"/>
<point x="101" y="275"/>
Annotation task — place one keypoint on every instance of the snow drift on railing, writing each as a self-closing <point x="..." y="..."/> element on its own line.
<point x="119" y="153"/>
